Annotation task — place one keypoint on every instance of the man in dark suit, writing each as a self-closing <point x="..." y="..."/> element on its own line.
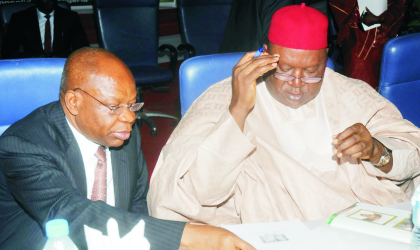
<point x="49" y="168"/>
<point x="44" y="30"/>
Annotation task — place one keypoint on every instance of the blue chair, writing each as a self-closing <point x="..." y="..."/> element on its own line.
<point x="129" y="29"/>
<point x="203" y="24"/>
<point x="6" y="11"/>
<point x="399" y="79"/>
<point x="198" y="73"/>
<point x="27" y="84"/>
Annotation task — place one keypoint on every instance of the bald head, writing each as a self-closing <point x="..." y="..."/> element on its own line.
<point x="84" y="63"/>
<point x="95" y="81"/>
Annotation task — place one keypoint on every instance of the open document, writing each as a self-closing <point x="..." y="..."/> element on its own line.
<point x="285" y="235"/>
<point x="377" y="7"/>
<point x="384" y="222"/>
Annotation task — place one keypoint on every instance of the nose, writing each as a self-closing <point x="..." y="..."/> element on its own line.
<point x="127" y="116"/>
<point x="296" y="83"/>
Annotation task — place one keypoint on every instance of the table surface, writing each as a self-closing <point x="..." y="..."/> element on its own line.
<point x="348" y="240"/>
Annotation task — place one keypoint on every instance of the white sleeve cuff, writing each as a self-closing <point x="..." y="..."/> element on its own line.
<point x="400" y="155"/>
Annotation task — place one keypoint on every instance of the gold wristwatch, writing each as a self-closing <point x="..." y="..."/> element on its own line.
<point x="385" y="158"/>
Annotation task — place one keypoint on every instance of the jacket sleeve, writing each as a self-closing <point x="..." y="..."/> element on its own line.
<point x="78" y="34"/>
<point x="139" y="204"/>
<point x="342" y="10"/>
<point x="43" y="190"/>
<point x="393" y="17"/>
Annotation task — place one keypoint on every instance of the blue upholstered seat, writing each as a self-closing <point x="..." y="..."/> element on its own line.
<point x="399" y="80"/>
<point x="129" y="29"/>
<point x="203" y="24"/>
<point x="27" y="84"/>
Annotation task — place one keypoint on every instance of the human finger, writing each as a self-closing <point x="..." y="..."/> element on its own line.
<point x="346" y="143"/>
<point x="242" y="245"/>
<point x="360" y="149"/>
<point x="254" y="62"/>
<point x="339" y="138"/>
<point x="262" y="64"/>
<point x="260" y="70"/>
<point x="246" y="58"/>
<point x="250" y="71"/>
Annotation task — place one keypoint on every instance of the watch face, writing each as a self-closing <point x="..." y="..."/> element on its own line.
<point x="386" y="159"/>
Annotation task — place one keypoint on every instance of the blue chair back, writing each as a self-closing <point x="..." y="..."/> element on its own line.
<point x="27" y="84"/>
<point x="129" y="29"/>
<point x="399" y="79"/>
<point x="203" y="23"/>
<point x="6" y="11"/>
<point x="196" y="74"/>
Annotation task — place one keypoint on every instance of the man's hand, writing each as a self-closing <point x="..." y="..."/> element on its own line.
<point x="244" y="83"/>
<point x="209" y="237"/>
<point x="370" y="19"/>
<point x="357" y="142"/>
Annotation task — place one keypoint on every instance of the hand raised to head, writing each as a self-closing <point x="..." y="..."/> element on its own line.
<point x="209" y="237"/>
<point x="244" y="83"/>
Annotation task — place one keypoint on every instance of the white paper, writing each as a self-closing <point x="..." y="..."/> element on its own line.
<point x="277" y="235"/>
<point x="377" y="7"/>
<point x="342" y="239"/>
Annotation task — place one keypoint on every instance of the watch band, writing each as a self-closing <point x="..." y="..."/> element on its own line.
<point x="385" y="158"/>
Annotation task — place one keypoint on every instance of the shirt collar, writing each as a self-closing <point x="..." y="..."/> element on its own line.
<point x="87" y="147"/>
<point x="42" y="15"/>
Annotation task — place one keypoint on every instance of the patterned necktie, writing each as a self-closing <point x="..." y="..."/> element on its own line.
<point x="99" y="186"/>
<point x="47" y="41"/>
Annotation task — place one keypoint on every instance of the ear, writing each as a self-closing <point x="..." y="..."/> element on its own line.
<point x="72" y="102"/>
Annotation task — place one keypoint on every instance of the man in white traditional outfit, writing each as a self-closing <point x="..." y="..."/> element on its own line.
<point x="302" y="141"/>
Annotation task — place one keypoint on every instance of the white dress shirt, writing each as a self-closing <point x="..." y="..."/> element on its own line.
<point x="88" y="150"/>
<point x="42" y="20"/>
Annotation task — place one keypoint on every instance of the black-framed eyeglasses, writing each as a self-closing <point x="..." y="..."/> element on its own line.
<point x="288" y="78"/>
<point x="117" y="110"/>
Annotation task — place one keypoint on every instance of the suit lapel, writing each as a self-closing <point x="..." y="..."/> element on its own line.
<point x="121" y="176"/>
<point x="59" y="20"/>
<point x="33" y="27"/>
<point x="68" y="145"/>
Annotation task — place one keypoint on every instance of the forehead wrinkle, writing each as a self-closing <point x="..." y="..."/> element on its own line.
<point x="302" y="59"/>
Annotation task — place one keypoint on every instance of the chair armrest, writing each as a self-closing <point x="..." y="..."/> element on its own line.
<point x="174" y="56"/>
<point x="188" y="47"/>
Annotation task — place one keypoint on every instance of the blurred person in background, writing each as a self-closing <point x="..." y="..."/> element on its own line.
<point x="43" y="30"/>
<point x="362" y="50"/>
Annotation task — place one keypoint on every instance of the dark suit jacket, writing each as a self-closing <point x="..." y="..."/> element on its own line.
<point x="248" y="24"/>
<point x="23" y="38"/>
<point x="43" y="178"/>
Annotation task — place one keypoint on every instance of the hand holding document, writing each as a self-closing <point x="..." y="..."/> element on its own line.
<point x="377" y="7"/>
<point x="133" y="240"/>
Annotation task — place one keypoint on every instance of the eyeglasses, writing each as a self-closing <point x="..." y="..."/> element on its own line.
<point x="288" y="78"/>
<point x="117" y="110"/>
